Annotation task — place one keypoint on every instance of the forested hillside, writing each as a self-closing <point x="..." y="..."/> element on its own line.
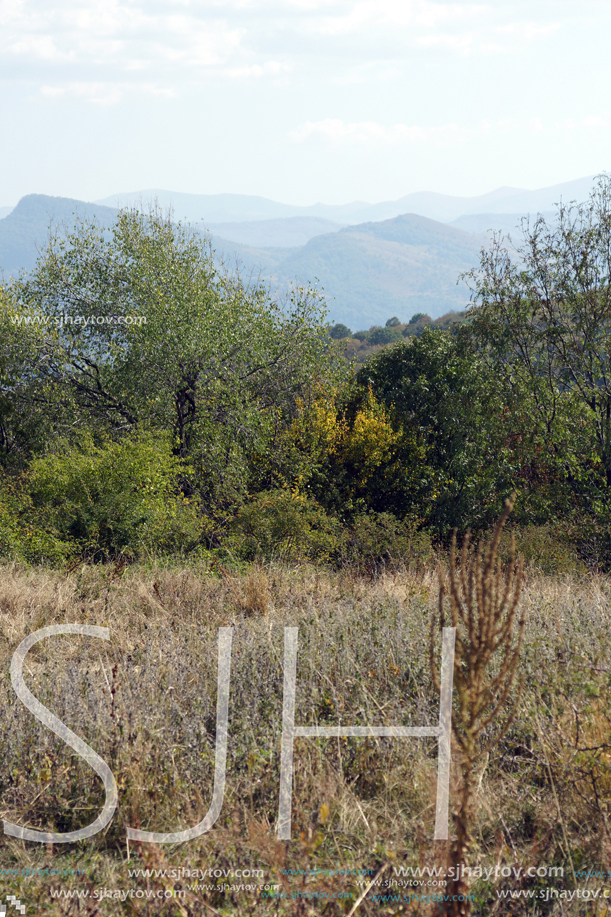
<point x="400" y="266"/>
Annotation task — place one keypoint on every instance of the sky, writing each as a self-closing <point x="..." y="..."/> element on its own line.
<point x="301" y="100"/>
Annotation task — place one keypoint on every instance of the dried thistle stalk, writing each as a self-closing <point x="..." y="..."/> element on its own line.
<point x="483" y="602"/>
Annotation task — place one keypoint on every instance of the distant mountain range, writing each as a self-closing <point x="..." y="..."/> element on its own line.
<point x="232" y="208"/>
<point x="286" y="232"/>
<point x="25" y="230"/>
<point x="240" y="208"/>
<point x="372" y="260"/>
<point x="375" y="270"/>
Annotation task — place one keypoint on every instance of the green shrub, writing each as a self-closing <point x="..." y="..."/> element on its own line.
<point x="590" y="540"/>
<point x="377" y="540"/>
<point x="121" y="498"/>
<point x="550" y="549"/>
<point x="283" y="525"/>
<point x="19" y="538"/>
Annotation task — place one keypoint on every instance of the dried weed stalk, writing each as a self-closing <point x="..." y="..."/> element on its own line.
<point x="483" y="608"/>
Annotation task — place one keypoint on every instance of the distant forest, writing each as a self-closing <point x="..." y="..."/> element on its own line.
<point x="361" y="345"/>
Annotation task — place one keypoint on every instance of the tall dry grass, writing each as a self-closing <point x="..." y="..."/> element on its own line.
<point x="146" y="703"/>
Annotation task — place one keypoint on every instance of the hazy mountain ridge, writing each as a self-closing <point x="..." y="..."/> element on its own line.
<point x="239" y="208"/>
<point x="507" y="223"/>
<point x="374" y="270"/>
<point x="369" y="270"/>
<point x="26" y="228"/>
<point x="286" y="232"/>
<point x="207" y="208"/>
<point x="400" y="266"/>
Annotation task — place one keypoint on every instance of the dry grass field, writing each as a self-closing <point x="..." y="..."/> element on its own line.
<point x="146" y="702"/>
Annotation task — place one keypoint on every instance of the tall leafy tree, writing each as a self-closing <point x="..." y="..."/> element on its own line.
<point x="543" y="322"/>
<point x="145" y="330"/>
<point x="30" y="410"/>
<point x="441" y="389"/>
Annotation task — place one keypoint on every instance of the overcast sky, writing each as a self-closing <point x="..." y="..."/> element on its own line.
<point x="301" y="100"/>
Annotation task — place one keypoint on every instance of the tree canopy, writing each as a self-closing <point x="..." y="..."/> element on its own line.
<point x="542" y="320"/>
<point x="136" y="329"/>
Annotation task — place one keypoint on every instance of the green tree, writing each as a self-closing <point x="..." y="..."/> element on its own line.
<point x="384" y="336"/>
<point x="543" y="323"/>
<point x="149" y="333"/>
<point x="340" y="331"/>
<point x="30" y="412"/>
<point x="441" y="389"/>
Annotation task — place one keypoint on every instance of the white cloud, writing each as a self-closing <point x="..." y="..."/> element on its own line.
<point x="408" y="14"/>
<point x="529" y="31"/>
<point x="370" y="132"/>
<point x="242" y="35"/>
<point x="122" y="48"/>
<point x="176" y="41"/>
<point x="269" y="68"/>
<point x="97" y="93"/>
<point x="104" y="93"/>
<point x="489" y="38"/>
<point x="588" y="121"/>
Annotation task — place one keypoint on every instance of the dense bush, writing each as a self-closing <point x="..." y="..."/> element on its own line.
<point x="549" y="550"/>
<point x="284" y="525"/>
<point x="118" y="498"/>
<point x="20" y="538"/>
<point x="379" y="540"/>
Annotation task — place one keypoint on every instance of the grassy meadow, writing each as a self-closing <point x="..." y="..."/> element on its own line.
<point x="146" y="702"/>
